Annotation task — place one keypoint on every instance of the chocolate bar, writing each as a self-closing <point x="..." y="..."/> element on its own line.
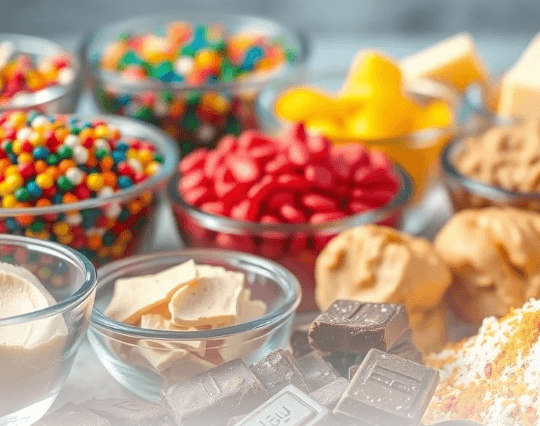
<point x="121" y="412"/>
<point x="331" y="393"/>
<point x="277" y="370"/>
<point x="405" y="348"/>
<point x="208" y="398"/>
<point x="388" y="390"/>
<point x="316" y="371"/>
<point x="72" y="414"/>
<point x="299" y="341"/>
<point x="356" y="327"/>
<point x="290" y="407"/>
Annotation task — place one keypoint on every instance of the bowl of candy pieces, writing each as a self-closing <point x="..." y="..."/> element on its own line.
<point x="195" y="76"/>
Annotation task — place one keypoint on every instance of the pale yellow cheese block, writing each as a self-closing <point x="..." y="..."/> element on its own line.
<point x="133" y="297"/>
<point x="454" y="61"/>
<point x="520" y="86"/>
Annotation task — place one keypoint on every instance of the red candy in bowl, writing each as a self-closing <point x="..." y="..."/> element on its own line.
<point x="284" y="197"/>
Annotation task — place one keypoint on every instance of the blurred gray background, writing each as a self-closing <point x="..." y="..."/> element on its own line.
<point x="45" y="17"/>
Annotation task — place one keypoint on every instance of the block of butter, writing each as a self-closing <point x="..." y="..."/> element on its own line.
<point x="454" y="61"/>
<point x="520" y="86"/>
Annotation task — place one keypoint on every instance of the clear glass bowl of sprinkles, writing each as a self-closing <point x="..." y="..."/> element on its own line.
<point x="37" y="349"/>
<point x="205" y="83"/>
<point x="38" y="74"/>
<point x="64" y="198"/>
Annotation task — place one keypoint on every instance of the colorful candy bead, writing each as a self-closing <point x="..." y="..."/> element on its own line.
<point x="77" y="161"/>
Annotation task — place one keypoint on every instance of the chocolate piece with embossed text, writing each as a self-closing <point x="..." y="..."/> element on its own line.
<point x="277" y="370"/>
<point x="388" y="390"/>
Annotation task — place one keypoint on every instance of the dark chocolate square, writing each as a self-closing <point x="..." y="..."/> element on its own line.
<point x="212" y="397"/>
<point x="290" y="407"/>
<point x="277" y="370"/>
<point x="356" y="327"/>
<point x="388" y="390"/>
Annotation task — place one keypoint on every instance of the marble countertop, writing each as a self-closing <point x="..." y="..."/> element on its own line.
<point x="88" y="378"/>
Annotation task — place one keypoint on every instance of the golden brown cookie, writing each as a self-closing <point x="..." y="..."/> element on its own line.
<point x="494" y="254"/>
<point x="379" y="264"/>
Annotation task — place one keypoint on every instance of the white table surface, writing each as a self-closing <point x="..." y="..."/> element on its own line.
<point x="88" y="378"/>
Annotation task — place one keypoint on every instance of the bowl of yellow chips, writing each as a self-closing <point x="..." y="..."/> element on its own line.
<point x="411" y="121"/>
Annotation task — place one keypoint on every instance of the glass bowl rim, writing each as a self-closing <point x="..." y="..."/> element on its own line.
<point x="49" y="91"/>
<point x="80" y="295"/>
<point x="115" y="78"/>
<point x="265" y="109"/>
<point x="476" y="186"/>
<point x="169" y="150"/>
<point x="224" y="224"/>
<point x="287" y="281"/>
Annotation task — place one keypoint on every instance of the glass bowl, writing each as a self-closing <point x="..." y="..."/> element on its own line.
<point x="31" y="376"/>
<point x="466" y="192"/>
<point x="53" y="100"/>
<point x="418" y="152"/>
<point x="118" y="345"/>
<point x="196" y="116"/>
<point x="295" y="246"/>
<point x="104" y="228"/>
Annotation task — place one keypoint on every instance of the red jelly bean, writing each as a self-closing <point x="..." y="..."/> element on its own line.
<point x="347" y="158"/>
<point x="368" y="176"/>
<point x="244" y="169"/>
<point x="291" y="182"/>
<point x="262" y="189"/>
<point x="374" y="197"/>
<point x="191" y="180"/>
<point x="318" y="202"/>
<point x="319" y="176"/>
<point x="242" y="210"/>
<point x="193" y="161"/>
<point x="281" y="164"/>
<point x="279" y="198"/>
<point x="262" y="154"/>
<point x="214" y="207"/>
<point x="292" y="214"/>
<point x="319" y="147"/>
<point x="359" y="207"/>
<point x="326" y="217"/>
<point x="212" y="162"/>
<point x="298" y="154"/>
<point x="197" y="196"/>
